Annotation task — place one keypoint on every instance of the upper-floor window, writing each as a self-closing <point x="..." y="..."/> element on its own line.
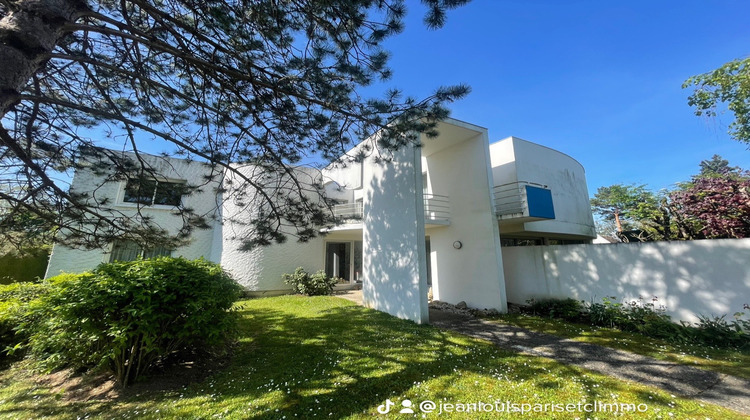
<point x="150" y="192"/>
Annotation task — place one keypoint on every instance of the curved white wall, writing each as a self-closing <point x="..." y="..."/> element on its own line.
<point x="514" y="159"/>
<point x="260" y="269"/>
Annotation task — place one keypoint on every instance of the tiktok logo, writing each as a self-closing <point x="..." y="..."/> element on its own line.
<point x="386" y="408"/>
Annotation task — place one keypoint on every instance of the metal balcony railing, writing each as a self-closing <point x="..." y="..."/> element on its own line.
<point x="436" y="207"/>
<point x="349" y="211"/>
<point x="511" y="200"/>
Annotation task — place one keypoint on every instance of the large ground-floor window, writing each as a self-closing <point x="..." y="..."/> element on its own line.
<point x="510" y="241"/>
<point x="344" y="260"/>
<point x="131" y="251"/>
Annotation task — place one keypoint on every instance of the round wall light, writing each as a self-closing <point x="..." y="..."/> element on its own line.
<point x="457" y="245"/>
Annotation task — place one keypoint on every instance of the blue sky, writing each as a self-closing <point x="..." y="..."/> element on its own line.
<point x="598" y="80"/>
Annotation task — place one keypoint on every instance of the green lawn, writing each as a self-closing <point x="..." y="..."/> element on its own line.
<point x="731" y="362"/>
<point x="325" y="357"/>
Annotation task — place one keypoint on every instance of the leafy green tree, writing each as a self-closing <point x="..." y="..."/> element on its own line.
<point x="714" y="204"/>
<point x="632" y="212"/>
<point x="730" y="85"/>
<point x="625" y="205"/>
<point x="263" y="82"/>
<point x="716" y="166"/>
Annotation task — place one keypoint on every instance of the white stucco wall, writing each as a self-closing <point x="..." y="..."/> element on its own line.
<point x="348" y="176"/>
<point x="472" y="274"/>
<point x="690" y="278"/>
<point x="65" y="259"/>
<point x="394" y="261"/>
<point x="503" y="161"/>
<point x="514" y="159"/>
<point x="260" y="269"/>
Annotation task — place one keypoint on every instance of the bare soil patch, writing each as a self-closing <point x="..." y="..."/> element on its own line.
<point x="79" y="387"/>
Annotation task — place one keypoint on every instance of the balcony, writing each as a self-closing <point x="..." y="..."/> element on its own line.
<point x="436" y="210"/>
<point x="521" y="201"/>
<point x="349" y="212"/>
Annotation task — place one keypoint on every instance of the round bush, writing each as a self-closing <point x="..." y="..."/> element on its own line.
<point x="128" y="315"/>
<point x="312" y="285"/>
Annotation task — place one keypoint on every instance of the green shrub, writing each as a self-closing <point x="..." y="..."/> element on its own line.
<point x="311" y="285"/>
<point x="17" y="301"/>
<point x="649" y="320"/>
<point x="569" y="309"/>
<point x="652" y="321"/>
<point x="127" y="316"/>
<point x="606" y="314"/>
<point x="718" y="331"/>
<point x="22" y="292"/>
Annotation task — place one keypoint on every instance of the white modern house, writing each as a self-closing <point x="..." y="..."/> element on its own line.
<point x="434" y="216"/>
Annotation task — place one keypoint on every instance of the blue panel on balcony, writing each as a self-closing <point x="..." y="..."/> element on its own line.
<point x="540" y="202"/>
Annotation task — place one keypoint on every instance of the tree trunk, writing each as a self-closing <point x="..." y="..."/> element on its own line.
<point x="617" y="222"/>
<point x="29" y="31"/>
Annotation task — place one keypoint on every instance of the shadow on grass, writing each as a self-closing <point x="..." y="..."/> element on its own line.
<point x="733" y="362"/>
<point x="325" y="357"/>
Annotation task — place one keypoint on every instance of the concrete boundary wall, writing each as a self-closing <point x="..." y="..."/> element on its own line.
<point x="708" y="277"/>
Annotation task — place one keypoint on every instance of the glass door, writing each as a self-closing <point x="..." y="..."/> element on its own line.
<point x="338" y="260"/>
<point x="357" y="274"/>
<point x="344" y="260"/>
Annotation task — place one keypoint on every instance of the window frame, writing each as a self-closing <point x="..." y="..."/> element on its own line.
<point x="140" y="253"/>
<point x="152" y="202"/>
<point x="511" y="241"/>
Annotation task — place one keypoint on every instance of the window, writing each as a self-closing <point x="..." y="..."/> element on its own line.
<point x="538" y="241"/>
<point x="521" y="241"/>
<point x="564" y="242"/>
<point x="150" y="192"/>
<point x="131" y="251"/>
<point x="344" y="260"/>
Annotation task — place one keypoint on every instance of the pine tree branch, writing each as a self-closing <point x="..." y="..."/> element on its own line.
<point x="165" y="136"/>
<point x="45" y="180"/>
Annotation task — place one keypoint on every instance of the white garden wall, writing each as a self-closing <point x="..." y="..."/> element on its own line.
<point x="709" y="277"/>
